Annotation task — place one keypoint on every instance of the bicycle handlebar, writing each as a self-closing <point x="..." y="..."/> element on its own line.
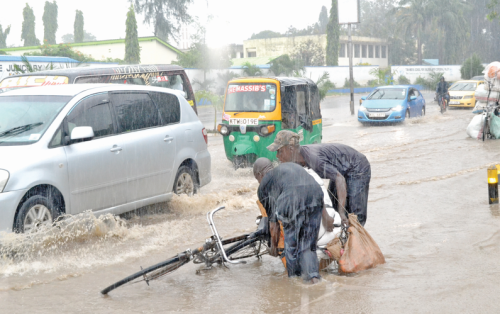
<point x="211" y="223"/>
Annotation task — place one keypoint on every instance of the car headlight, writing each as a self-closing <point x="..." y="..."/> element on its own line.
<point x="4" y="177"/>
<point x="397" y="108"/>
<point x="468" y="97"/>
<point x="362" y="108"/>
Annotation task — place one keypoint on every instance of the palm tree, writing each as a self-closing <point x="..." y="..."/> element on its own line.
<point x="251" y="69"/>
<point x="412" y="18"/>
<point x="449" y="23"/>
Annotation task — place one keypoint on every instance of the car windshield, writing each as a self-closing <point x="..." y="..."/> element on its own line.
<point x="388" y="93"/>
<point x="464" y="86"/>
<point x="24" y="119"/>
<point x="252" y="97"/>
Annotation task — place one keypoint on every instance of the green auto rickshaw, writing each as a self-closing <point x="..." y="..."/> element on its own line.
<point x="257" y="108"/>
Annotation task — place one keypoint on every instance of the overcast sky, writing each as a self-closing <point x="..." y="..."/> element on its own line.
<point x="233" y="20"/>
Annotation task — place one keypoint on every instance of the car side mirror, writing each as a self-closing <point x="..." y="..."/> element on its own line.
<point x="363" y="98"/>
<point x="413" y="97"/>
<point x="82" y="133"/>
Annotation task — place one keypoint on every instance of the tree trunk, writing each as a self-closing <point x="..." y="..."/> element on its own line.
<point x="419" y="44"/>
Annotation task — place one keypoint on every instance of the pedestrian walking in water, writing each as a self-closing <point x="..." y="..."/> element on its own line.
<point x="348" y="170"/>
<point x="289" y="194"/>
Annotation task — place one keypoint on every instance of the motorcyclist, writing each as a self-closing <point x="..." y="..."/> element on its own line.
<point x="442" y="89"/>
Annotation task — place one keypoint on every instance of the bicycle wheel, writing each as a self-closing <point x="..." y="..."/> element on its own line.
<point x="154" y="271"/>
<point x="248" y="248"/>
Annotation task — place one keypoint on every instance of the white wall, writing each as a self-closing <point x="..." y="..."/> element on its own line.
<point x="337" y="75"/>
<point x="412" y="72"/>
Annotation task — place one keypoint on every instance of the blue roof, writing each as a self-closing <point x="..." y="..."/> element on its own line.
<point x="394" y="86"/>
<point x="37" y="59"/>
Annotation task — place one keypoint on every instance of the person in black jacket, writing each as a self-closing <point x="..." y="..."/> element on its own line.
<point x="348" y="170"/>
<point x="289" y="194"/>
<point x="442" y="90"/>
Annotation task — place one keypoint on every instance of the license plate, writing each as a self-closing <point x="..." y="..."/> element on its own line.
<point x="244" y="121"/>
<point x="376" y="115"/>
<point x="454" y="103"/>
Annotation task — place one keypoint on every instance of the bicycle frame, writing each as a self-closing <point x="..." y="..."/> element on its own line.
<point x="211" y="223"/>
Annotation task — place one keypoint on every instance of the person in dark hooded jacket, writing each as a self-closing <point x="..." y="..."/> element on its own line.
<point x="442" y="89"/>
<point x="289" y="194"/>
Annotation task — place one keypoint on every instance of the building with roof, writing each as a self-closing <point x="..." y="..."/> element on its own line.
<point x="369" y="50"/>
<point x="153" y="50"/>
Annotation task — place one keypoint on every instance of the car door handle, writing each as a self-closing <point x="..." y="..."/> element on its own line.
<point x="168" y="139"/>
<point x="115" y="149"/>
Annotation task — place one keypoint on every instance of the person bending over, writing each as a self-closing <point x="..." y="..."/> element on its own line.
<point x="289" y="194"/>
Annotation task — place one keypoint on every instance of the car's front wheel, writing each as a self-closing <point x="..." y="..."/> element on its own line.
<point x="36" y="212"/>
<point x="407" y="116"/>
<point x="185" y="182"/>
<point x="423" y="111"/>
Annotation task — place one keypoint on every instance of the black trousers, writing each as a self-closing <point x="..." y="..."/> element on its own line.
<point x="301" y="237"/>
<point x="357" y="195"/>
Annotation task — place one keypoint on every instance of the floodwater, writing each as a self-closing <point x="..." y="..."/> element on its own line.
<point x="428" y="211"/>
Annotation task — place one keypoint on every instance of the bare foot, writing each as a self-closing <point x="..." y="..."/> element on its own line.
<point x="314" y="281"/>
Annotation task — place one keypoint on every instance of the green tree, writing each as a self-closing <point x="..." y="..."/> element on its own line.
<point x="284" y="65"/>
<point x="412" y="18"/>
<point x="471" y="67"/>
<point x="28" y="29"/>
<point x="266" y="34"/>
<point x="323" y="20"/>
<point x="309" y="53"/>
<point x="494" y="8"/>
<point x="450" y="29"/>
<point x="333" y="36"/>
<point x="132" y="49"/>
<point x="324" y="85"/>
<point x="383" y="76"/>
<point x="217" y="102"/>
<point x="78" y="27"/>
<point x="3" y="36"/>
<point x="50" y="22"/>
<point x="165" y="15"/>
<point x="70" y="38"/>
<point x="251" y="69"/>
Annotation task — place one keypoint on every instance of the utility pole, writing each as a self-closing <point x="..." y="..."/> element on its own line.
<point x="351" y="76"/>
<point x="349" y="13"/>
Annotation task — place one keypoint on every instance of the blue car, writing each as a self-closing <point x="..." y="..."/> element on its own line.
<point x="393" y="103"/>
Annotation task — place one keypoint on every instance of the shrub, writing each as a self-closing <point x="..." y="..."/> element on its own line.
<point x="347" y="83"/>
<point x="471" y="67"/>
<point x="403" y="80"/>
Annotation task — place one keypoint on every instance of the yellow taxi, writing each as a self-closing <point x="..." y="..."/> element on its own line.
<point x="462" y="94"/>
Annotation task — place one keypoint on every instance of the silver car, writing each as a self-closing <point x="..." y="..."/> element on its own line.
<point x="106" y="148"/>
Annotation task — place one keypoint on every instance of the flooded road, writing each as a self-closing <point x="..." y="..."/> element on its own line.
<point x="428" y="211"/>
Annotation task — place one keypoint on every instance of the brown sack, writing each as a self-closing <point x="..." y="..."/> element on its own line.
<point x="334" y="248"/>
<point x="360" y="252"/>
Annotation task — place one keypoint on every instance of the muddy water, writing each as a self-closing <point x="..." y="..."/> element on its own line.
<point x="428" y="211"/>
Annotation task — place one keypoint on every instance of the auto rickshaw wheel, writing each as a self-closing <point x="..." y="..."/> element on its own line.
<point x="240" y="162"/>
